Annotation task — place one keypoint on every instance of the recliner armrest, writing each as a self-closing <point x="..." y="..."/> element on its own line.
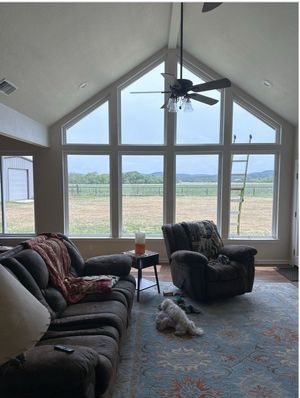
<point x="189" y="258"/>
<point x="238" y="252"/>
<point x="111" y="264"/>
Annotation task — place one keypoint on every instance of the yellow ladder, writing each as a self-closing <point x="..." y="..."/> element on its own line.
<point x="240" y="189"/>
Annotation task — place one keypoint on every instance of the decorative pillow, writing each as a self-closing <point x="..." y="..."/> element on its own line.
<point x="204" y="237"/>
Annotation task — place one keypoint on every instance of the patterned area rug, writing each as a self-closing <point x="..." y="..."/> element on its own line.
<point x="249" y="349"/>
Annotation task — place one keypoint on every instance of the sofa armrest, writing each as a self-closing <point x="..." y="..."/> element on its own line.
<point x="111" y="264"/>
<point x="189" y="258"/>
<point x="47" y="372"/>
<point x="238" y="252"/>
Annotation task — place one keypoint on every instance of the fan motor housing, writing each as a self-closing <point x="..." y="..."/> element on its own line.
<point x="184" y="86"/>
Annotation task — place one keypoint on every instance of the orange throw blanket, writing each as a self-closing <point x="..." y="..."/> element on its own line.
<point x="55" y="254"/>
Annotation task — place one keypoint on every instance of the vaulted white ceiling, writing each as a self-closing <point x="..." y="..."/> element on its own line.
<point x="48" y="49"/>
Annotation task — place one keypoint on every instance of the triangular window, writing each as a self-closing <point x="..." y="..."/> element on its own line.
<point x="247" y="127"/>
<point x="93" y="128"/>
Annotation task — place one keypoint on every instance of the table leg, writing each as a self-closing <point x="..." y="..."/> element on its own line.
<point x="139" y="283"/>
<point x="156" y="277"/>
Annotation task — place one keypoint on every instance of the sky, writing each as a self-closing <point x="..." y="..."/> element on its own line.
<point x="142" y="122"/>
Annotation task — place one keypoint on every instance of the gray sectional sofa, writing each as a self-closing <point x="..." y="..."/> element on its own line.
<point x="95" y="327"/>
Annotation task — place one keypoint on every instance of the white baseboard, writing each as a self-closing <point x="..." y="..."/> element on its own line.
<point x="271" y="262"/>
<point x="164" y="261"/>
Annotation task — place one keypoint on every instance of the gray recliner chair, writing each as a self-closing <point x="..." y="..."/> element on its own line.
<point x="228" y="272"/>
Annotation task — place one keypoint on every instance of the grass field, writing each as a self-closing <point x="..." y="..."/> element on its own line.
<point x="20" y="217"/>
<point x="91" y="215"/>
<point x="145" y="213"/>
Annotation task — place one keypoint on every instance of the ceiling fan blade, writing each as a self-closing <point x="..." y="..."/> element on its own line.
<point x="210" y="6"/>
<point x="149" y="92"/>
<point x="202" y="98"/>
<point x="171" y="79"/>
<point x="213" y="85"/>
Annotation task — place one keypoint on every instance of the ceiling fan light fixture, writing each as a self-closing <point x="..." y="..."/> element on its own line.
<point x="188" y="105"/>
<point x="172" y="105"/>
<point x="180" y="89"/>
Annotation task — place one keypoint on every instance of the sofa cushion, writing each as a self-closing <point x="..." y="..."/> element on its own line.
<point x="224" y="272"/>
<point x="115" y="264"/>
<point x="34" y="263"/>
<point x="55" y="300"/>
<point x="27" y="281"/>
<point x="77" y="261"/>
<point x="92" y="314"/>
<point x="98" y="330"/>
<point x="123" y="291"/>
<point x="114" y="295"/>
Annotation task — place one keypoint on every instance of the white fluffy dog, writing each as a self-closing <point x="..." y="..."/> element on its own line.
<point x="171" y="316"/>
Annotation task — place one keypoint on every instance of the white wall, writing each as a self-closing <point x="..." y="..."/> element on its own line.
<point x="15" y="125"/>
<point x="294" y="257"/>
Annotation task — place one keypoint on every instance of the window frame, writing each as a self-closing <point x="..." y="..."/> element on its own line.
<point x="169" y="149"/>
<point x="136" y="76"/>
<point x="124" y="152"/>
<point x="205" y="76"/>
<point x="254" y="110"/>
<point x="219" y="155"/>
<point x="3" y="232"/>
<point x="71" y="122"/>
<point x="275" y="204"/>
<point x="65" y="154"/>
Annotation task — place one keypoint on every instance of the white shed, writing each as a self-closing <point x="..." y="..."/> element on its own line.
<point x="17" y="178"/>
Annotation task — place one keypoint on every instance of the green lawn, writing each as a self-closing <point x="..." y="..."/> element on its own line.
<point x="142" y="208"/>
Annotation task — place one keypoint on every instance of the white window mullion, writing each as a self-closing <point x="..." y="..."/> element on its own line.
<point x="2" y="197"/>
<point x="225" y="166"/>
<point x="115" y="174"/>
<point x="170" y="136"/>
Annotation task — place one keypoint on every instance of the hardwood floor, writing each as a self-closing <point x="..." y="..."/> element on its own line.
<point x="262" y="273"/>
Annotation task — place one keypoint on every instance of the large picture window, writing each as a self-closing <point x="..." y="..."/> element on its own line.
<point x="150" y="167"/>
<point x="142" y="194"/>
<point x="252" y="195"/>
<point x="196" y="187"/>
<point x="202" y="126"/>
<point x="88" y="195"/>
<point x="248" y="128"/>
<point x="17" y="195"/>
<point x="142" y="120"/>
<point x="92" y="128"/>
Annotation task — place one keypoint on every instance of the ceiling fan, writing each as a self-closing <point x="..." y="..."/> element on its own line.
<point x="183" y="90"/>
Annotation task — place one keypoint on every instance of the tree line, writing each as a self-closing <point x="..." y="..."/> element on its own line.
<point x="131" y="177"/>
<point x="134" y="177"/>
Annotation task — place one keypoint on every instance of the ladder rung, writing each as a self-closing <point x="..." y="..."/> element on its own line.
<point x="237" y="174"/>
<point x="236" y="189"/>
<point x="234" y="212"/>
<point x="240" y="160"/>
<point x="236" y="200"/>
